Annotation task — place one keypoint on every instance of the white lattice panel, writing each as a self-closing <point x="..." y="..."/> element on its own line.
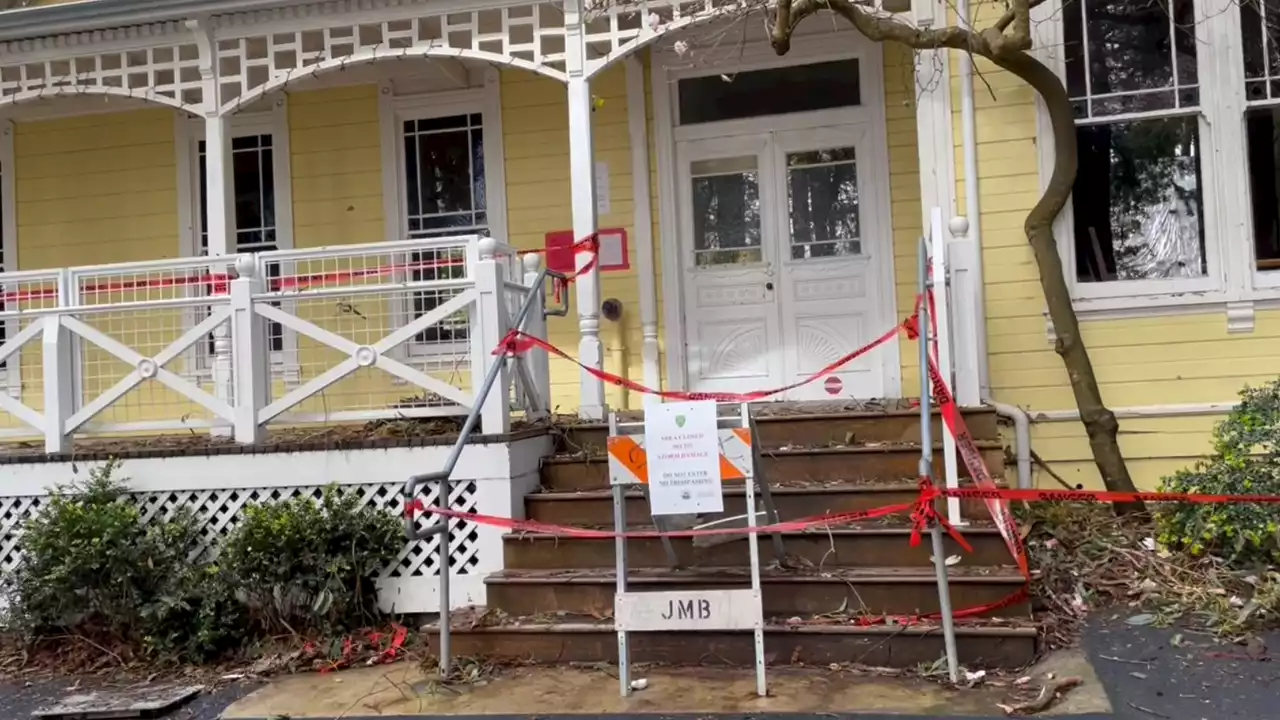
<point x="526" y="36"/>
<point x="14" y="512"/>
<point x="168" y="74"/>
<point x="615" y="28"/>
<point x="219" y="511"/>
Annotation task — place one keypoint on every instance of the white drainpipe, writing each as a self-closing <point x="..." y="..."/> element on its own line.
<point x="1021" y="438"/>
<point x="968" y="132"/>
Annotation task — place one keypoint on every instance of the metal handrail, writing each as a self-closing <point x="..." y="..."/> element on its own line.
<point x="414" y="483"/>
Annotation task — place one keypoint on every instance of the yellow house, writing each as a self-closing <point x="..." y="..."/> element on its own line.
<point x="758" y="216"/>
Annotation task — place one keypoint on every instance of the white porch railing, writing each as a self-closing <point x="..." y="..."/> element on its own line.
<point x="236" y="344"/>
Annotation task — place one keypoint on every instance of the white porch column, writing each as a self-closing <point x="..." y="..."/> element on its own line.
<point x="219" y="190"/>
<point x="646" y="274"/>
<point x="220" y="227"/>
<point x="582" y="179"/>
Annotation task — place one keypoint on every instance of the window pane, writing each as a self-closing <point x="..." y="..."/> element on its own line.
<point x="822" y="196"/>
<point x="1137" y="201"/>
<point x="778" y="91"/>
<point x="1260" y="35"/>
<point x="726" y="211"/>
<point x="1263" y="129"/>
<point x="247" y="166"/>
<point x="444" y="183"/>
<point x="1126" y="56"/>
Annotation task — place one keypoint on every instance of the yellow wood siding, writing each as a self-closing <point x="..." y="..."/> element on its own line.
<point x="536" y="143"/>
<point x="96" y="189"/>
<point x="904" y="195"/>
<point x="1139" y="362"/>
<point x="336" y="159"/>
<point x="99" y="189"/>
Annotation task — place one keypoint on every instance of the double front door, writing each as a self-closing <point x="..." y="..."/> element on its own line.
<point x="780" y="232"/>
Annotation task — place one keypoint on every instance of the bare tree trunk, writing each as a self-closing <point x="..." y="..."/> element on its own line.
<point x="1099" y="422"/>
<point x="1009" y="52"/>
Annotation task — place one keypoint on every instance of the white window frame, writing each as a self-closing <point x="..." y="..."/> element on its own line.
<point x="10" y="372"/>
<point x="1232" y="284"/>
<point x="190" y="132"/>
<point x="393" y="111"/>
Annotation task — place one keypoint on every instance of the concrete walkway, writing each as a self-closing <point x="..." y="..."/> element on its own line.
<point x="402" y="691"/>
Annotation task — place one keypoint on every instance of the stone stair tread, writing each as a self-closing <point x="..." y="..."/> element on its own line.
<point x="794" y="451"/>
<point x="995" y="574"/>
<point x="789" y="486"/>
<point x="808" y="409"/>
<point x="891" y="526"/>
<point x="572" y="623"/>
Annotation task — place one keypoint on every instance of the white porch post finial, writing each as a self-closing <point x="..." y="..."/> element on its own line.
<point x="489" y="325"/>
<point x="582" y="179"/>
<point x="249" y="351"/>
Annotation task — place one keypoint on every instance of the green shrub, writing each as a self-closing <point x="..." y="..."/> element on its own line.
<point x="1245" y="460"/>
<point x="302" y="565"/>
<point x="90" y="565"/>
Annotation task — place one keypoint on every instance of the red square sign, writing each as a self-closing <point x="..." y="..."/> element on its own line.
<point x="614" y="255"/>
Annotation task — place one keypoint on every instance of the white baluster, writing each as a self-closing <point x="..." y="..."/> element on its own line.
<point x="249" y="352"/>
<point x="59" y="385"/>
<point x="61" y="363"/>
<point x="489" y="325"/>
<point x="537" y="361"/>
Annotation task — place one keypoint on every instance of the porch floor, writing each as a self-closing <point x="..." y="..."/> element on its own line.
<point x="407" y="432"/>
<point x="403" y="432"/>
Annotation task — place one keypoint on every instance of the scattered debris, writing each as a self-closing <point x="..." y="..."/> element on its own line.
<point x="1048" y="693"/>
<point x="145" y="701"/>
<point x="640" y="683"/>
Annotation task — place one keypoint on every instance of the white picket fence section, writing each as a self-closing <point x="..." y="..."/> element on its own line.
<point x="236" y="344"/>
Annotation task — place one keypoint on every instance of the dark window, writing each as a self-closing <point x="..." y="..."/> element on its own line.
<point x="1263" y="132"/>
<point x="797" y="88"/>
<point x="1260" y="29"/>
<point x="253" y="180"/>
<point x="1137" y="201"/>
<point x="444" y="195"/>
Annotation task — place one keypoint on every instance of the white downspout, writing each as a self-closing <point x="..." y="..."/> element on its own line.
<point x="1021" y="438"/>
<point x="973" y="211"/>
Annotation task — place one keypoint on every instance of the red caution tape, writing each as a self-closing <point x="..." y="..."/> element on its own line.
<point x="922" y="510"/>
<point x="815" y="521"/>
<point x="1104" y="496"/>
<point x="517" y="343"/>
<point x="218" y="283"/>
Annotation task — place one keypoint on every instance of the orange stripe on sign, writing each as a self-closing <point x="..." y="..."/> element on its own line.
<point x="628" y="452"/>
<point x="744" y="434"/>
<point x="630" y="455"/>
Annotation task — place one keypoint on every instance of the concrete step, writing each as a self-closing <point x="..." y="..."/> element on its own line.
<point x="818" y="424"/>
<point x="863" y="546"/>
<point x="594" y="508"/>
<point x="815" y="641"/>
<point x="863" y="464"/>
<point x="875" y="591"/>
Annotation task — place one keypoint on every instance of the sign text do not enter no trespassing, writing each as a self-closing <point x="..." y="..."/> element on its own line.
<point x="682" y="448"/>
